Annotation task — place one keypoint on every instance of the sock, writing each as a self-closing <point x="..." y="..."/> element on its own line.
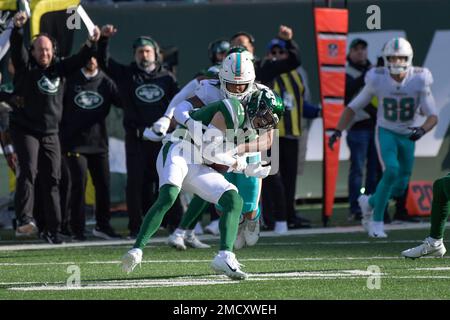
<point x="193" y="213"/>
<point x="439" y="207"/>
<point x="435" y="242"/>
<point x="166" y="198"/>
<point x="189" y="233"/>
<point x="232" y="203"/>
<point x="180" y="232"/>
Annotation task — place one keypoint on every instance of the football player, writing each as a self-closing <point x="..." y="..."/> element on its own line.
<point x="179" y="168"/>
<point x="400" y="89"/>
<point x="236" y="79"/>
<point x="433" y="245"/>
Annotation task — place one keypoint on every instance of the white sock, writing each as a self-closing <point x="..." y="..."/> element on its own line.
<point x="190" y="233"/>
<point x="180" y="232"/>
<point x="224" y="253"/>
<point x="435" y="242"/>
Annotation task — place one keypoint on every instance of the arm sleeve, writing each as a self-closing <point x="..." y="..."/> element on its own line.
<point x="181" y="112"/>
<point x="115" y="95"/>
<point x="70" y="65"/>
<point x="213" y="147"/>
<point x="112" y="68"/>
<point x="362" y="99"/>
<point x="270" y="69"/>
<point x="19" y="54"/>
<point x="310" y="111"/>
<point x="427" y="103"/>
<point x="186" y="92"/>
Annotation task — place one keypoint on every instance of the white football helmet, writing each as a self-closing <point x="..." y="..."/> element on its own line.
<point x="237" y="68"/>
<point x="398" y="47"/>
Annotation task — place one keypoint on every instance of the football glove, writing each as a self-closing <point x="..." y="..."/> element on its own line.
<point x="241" y="164"/>
<point x="151" y="135"/>
<point x="162" y="125"/>
<point x="334" y="137"/>
<point x="257" y="170"/>
<point x="417" y="133"/>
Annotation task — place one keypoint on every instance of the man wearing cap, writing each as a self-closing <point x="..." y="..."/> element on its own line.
<point x="267" y="69"/>
<point x="290" y="86"/>
<point x="360" y="136"/>
<point x="146" y="89"/>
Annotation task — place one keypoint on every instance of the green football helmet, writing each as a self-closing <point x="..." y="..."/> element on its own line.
<point x="264" y="109"/>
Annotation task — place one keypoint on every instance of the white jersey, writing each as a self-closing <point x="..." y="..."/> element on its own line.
<point x="397" y="102"/>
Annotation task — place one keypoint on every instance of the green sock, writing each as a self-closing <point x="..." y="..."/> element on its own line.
<point x="152" y="221"/>
<point x="193" y="213"/>
<point x="439" y="206"/>
<point x="231" y="203"/>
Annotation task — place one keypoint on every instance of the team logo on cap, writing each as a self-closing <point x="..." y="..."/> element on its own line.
<point x="149" y="93"/>
<point x="88" y="100"/>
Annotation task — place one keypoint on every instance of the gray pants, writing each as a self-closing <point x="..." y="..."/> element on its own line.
<point x="37" y="152"/>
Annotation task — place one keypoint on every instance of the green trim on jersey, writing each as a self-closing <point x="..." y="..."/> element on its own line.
<point x="166" y="148"/>
<point x="231" y="109"/>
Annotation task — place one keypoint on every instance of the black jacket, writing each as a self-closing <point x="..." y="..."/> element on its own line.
<point x="267" y="70"/>
<point x="86" y="105"/>
<point x="42" y="89"/>
<point x="354" y="82"/>
<point x="145" y="96"/>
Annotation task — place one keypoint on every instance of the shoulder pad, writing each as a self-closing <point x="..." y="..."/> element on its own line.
<point x="233" y="112"/>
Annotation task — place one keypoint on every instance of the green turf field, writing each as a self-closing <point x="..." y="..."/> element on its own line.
<point x="328" y="266"/>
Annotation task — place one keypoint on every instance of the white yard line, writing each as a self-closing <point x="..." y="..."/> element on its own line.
<point x="177" y="261"/>
<point x="210" y="280"/>
<point x="264" y="234"/>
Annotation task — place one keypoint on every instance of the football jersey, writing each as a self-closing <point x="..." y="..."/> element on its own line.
<point x="398" y="101"/>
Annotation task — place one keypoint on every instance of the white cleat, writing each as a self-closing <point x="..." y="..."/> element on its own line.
<point x="240" y="239"/>
<point x="193" y="242"/>
<point x="376" y="230"/>
<point x="429" y="247"/>
<point x="226" y="263"/>
<point x="366" y="209"/>
<point x="213" y="228"/>
<point x="176" y="241"/>
<point x="131" y="259"/>
<point x="251" y="232"/>
<point x="280" y="227"/>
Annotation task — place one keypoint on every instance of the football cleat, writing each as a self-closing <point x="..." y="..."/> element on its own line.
<point x="427" y="248"/>
<point x="176" y="241"/>
<point x="131" y="259"/>
<point x="226" y="263"/>
<point x="240" y="239"/>
<point x="251" y="232"/>
<point x="376" y="230"/>
<point x="367" y="211"/>
<point x="193" y="242"/>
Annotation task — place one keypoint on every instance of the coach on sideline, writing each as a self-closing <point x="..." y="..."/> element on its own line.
<point x="34" y="127"/>
<point x="146" y="89"/>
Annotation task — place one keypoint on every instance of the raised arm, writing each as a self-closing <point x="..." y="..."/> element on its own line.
<point x="110" y="66"/>
<point x="66" y="67"/>
<point x="19" y="54"/>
